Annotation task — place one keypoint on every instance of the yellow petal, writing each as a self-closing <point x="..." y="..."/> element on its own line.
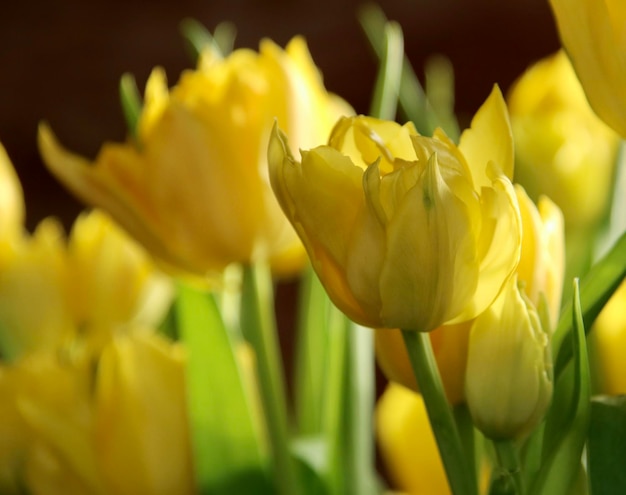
<point x="407" y="444"/>
<point x="11" y="199"/>
<point x="594" y="35"/>
<point x="489" y="139"/>
<point x="142" y="436"/>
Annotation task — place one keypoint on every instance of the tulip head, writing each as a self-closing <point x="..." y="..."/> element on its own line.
<point x="403" y="230"/>
<point x="508" y="383"/>
<point x="563" y="150"/>
<point x="194" y="188"/>
<point x="594" y="36"/>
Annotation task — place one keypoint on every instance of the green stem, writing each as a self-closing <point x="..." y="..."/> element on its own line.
<point x="259" y="328"/>
<point x="461" y="477"/>
<point x="508" y="479"/>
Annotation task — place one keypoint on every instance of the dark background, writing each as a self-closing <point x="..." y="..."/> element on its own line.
<point x="61" y="60"/>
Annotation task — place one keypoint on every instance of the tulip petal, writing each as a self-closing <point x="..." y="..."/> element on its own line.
<point x="11" y="199"/>
<point x="489" y="139"/>
<point x="322" y="197"/>
<point x="594" y="36"/>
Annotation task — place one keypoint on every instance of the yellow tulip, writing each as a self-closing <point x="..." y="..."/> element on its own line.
<point x="406" y="231"/>
<point x="11" y="200"/>
<point x="194" y="188"/>
<point x="141" y="432"/>
<point x="563" y="150"/>
<point x="407" y="444"/>
<point x="594" y="36"/>
<point x="542" y="263"/>
<point x="609" y="340"/>
<point x="508" y="382"/>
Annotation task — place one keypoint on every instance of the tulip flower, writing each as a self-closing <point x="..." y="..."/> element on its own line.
<point x="508" y="383"/>
<point x="193" y="188"/>
<point x="407" y="443"/>
<point x="594" y="36"/>
<point x="609" y="341"/>
<point x="563" y="150"/>
<point x="11" y="200"/>
<point x="403" y="230"/>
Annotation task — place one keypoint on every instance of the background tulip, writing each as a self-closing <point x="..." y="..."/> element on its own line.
<point x="194" y="188"/>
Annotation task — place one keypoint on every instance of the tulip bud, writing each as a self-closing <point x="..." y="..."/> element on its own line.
<point x="405" y="231"/>
<point x="563" y="150"/>
<point x="508" y="382"/>
<point x="194" y="189"/>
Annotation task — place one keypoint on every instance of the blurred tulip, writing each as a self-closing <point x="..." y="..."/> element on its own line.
<point x="11" y="200"/>
<point x="594" y="36"/>
<point x="406" y="231"/>
<point x="563" y="150"/>
<point x="407" y="443"/>
<point x="508" y="382"/>
<point x="194" y="188"/>
<point x="609" y="341"/>
<point x="142" y="437"/>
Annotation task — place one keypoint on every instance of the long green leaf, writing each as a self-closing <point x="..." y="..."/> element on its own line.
<point x="130" y="99"/>
<point x="607" y="445"/>
<point x="387" y="87"/>
<point x="228" y="453"/>
<point x="568" y="420"/>
<point x="595" y="290"/>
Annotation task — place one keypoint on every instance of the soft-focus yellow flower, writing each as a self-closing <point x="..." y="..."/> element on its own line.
<point x="562" y="148"/>
<point x="594" y="36"/>
<point x="194" y="188"/>
<point x="123" y="430"/>
<point x="609" y="340"/>
<point x="406" y="231"/>
<point x="542" y="263"/>
<point x="508" y="383"/>
<point x="407" y="444"/>
<point x="11" y="200"/>
<point x="449" y="346"/>
<point x="141" y="432"/>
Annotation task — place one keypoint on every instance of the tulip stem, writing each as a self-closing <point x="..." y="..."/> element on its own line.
<point x="259" y="328"/>
<point x="508" y="476"/>
<point x="461" y="476"/>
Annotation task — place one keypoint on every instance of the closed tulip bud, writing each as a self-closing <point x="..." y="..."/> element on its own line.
<point x="563" y="150"/>
<point x="594" y="36"/>
<point x="403" y="230"/>
<point x="194" y="188"/>
<point x="508" y="383"/>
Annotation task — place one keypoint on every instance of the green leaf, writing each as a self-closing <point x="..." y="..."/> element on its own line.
<point x="440" y="93"/>
<point x="387" y="87"/>
<point x="596" y="289"/>
<point x="130" y="99"/>
<point x="607" y="445"/>
<point x="198" y="37"/>
<point x="228" y="454"/>
<point x="311" y="456"/>
<point x="568" y="419"/>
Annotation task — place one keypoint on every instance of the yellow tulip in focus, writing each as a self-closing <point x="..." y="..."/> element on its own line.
<point x="563" y="150"/>
<point x="193" y="188"/>
<point x="407" y="444"/>
<point x="609" y="340"/>
<point x="449" y="346"/>
<point x="406" y="231"/>
<point x="508" y="383"/>
<point x="594" y="35"/>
